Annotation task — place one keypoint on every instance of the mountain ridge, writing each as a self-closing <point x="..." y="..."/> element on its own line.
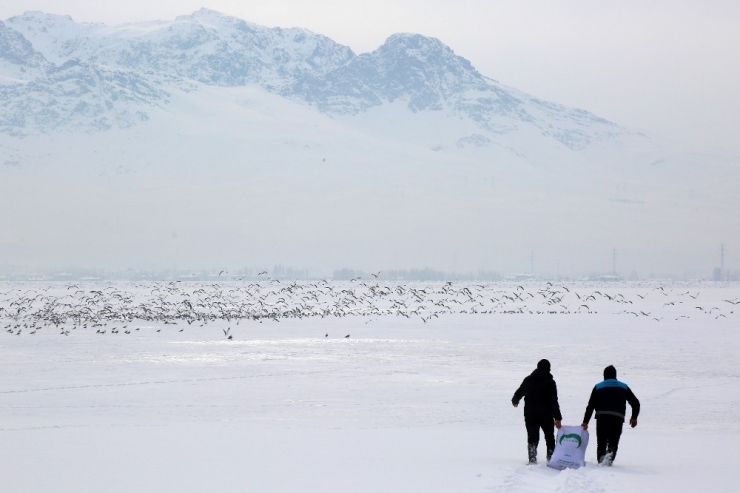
<point x="211" y="48"/>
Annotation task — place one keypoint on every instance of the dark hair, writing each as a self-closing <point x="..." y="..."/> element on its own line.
<point x="610" y="373"/>
<point x="543" y="364"/>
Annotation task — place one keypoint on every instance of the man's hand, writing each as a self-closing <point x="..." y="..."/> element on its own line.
<point x="633" y="423"/>
<point x="557" y="424"/>
<point x="584" y="426"/>
<point x="515" y="404"/>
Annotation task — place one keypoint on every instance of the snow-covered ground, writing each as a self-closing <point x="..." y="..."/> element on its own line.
<point x="403" y="404"/>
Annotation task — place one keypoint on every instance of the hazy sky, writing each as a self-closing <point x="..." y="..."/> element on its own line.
<point x="669" y="66"/>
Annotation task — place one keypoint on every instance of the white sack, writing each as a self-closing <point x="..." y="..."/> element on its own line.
<point x="570" y="448"/>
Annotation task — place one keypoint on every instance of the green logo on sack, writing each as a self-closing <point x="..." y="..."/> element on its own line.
<point x="574" y="436"/>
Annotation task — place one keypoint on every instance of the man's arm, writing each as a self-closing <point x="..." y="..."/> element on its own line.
<point x="519" y="393"/>
<point x="589" y="409"/>
<point x="554" y="405"/>
<point x="635" y="405"/>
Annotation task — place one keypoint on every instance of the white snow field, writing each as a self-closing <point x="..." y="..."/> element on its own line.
<point x="403" y="404"/>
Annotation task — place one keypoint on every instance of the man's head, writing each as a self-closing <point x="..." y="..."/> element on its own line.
<point x="610" y="373"/>
<point x="544" y="365"/>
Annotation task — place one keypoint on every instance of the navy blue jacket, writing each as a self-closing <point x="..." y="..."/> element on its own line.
<point x="609" y="398"/>
<point x="540" y="396"/>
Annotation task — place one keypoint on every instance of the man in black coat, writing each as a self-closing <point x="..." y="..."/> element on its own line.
<point x="608" y="399"/>
<point x="541" y="408"/>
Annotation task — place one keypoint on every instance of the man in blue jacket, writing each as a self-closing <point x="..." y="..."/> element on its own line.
<point x="541" y="408"/>
<point x="608" y="399"/>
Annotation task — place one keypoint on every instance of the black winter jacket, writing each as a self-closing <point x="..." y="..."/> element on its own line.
<point x="609" y="398"/>
<point x="540" y="396"/>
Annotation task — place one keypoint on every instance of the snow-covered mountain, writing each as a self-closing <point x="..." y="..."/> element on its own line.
<point x="106" y="69"/>
<point x="19" y="62"/>
<point x="210" y="127"/>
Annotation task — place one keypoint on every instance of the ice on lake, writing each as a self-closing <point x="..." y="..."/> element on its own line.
<point x="135" y="387"/>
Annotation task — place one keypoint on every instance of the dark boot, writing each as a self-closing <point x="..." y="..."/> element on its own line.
<point x="532" y="453"/>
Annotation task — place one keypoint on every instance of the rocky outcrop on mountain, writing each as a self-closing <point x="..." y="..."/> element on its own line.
<point x="78" y="96"/>
<point x="16" y="49"/>
<point x="410" y="67"/>
<point x="18" y="60"/>
<point x="206" y="46"/>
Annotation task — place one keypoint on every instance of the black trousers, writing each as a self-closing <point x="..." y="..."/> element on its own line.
<point x="534" y="424"/>
<point x="608" y="432"/>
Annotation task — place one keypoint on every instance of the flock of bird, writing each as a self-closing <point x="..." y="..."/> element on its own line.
<point x="113" y="308"/>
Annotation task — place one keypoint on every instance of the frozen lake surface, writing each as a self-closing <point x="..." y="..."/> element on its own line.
<point x="123" y="387"/>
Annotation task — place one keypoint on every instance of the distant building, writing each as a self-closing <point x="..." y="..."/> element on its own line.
<point x="523" y="277"/>
<point x="609" y="278"/>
